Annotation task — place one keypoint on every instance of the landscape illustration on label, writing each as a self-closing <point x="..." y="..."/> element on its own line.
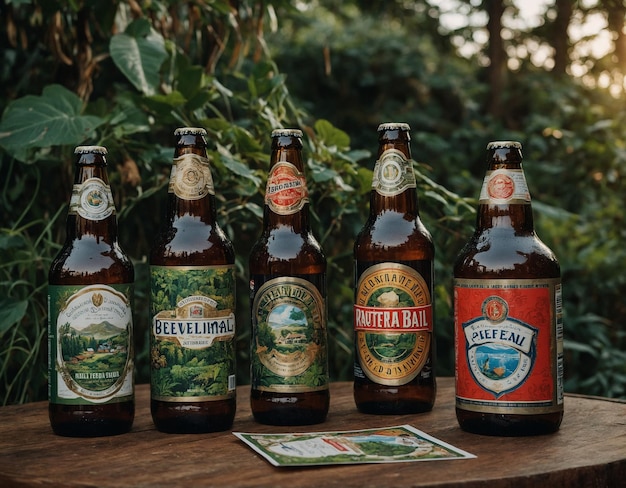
<point x="500" y="350"/>
<point x="93" y="342"/>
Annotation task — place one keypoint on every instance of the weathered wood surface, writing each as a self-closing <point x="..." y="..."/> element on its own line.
<point x="588" y="451"/>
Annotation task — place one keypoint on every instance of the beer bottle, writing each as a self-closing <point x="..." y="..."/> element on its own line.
<point x="393" y="316"/>
<point x="90" y="312"/>
<point x="289" y="358"/>
<point x="192" y="300"/>
<point x="507" y="312"/>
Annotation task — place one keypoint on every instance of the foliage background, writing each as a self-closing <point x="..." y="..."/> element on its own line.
<point x="126" y="73"/>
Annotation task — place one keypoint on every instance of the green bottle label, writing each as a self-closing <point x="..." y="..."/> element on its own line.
<point x="90" y="330"/>
<point x="289" y="351"/>
<point x="193" y="333"/>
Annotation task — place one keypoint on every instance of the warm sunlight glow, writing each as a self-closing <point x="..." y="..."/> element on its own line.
<point x="589" y="34"/>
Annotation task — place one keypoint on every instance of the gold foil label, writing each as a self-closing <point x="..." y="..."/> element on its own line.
<point x="289" y="337"/>
<point x="393" y="173"/>
<point x="393" y="323"/>
<point x="191" y="177"/>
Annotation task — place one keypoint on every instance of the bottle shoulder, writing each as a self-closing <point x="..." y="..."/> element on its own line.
<point x="393" y="235"/>
<point x="284" y="251"/>
<point x="504" y="254"/>
<point x="191" y="241"/>
<point x="89" y="260"/>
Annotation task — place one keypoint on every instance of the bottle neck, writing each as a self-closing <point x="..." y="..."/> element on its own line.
<point x="517" y="217"/>
<point x="393" y="182"/>
<point x="504" y="201"/>
<point x="286" y="191"/>
<point x="191" y="192"/>
<point x="92" y="209"/>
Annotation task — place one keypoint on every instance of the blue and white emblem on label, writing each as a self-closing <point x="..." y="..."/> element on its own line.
<point x="501" y="351"/>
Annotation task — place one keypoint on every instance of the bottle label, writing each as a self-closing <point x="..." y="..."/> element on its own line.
<point x="504" y="186"/>
<point x="509" y="345"/>
<point x="393" y="323"/>
<point x="289" y="350"/>
<point x="92" y="200"/>
<point x="286" y="192"/>
<point x="90" y="352"/>
<point x="192" y="348"/>
<point x="393" y="173"/>
<point x="190" y="178"/>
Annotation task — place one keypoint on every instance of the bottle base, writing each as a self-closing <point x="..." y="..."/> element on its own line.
<point x="394" y="408"/>
<point x="289" y="409"/>
<point x="91" y="429"/>
<point x="91" y="420"/>
<point x="192" y="425"/>
<point x="373" y="398"/>
<point x="509" y="425"/>
<point x="288" y="416"/>
<point x="194" y="418"/>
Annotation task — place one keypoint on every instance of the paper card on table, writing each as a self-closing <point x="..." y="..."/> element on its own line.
<point x="402" y="443"/>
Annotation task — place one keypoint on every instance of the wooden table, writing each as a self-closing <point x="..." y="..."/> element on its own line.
<point x="588" y="451"/>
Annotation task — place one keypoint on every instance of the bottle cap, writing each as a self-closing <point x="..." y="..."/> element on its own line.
<point x="393" y="126"/>
<point x="183" y="131"/>
<point x="503" y="145"/>
<point x="90" y="150"/>
<point x="286" y="133"/>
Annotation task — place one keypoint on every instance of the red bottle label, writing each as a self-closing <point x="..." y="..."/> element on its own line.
<point x="503" y="187"/>
<point x="286" y="192"/>
<point x="508" y="346"/>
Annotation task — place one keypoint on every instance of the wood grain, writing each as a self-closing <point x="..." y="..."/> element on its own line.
<point x="588" y="451"/>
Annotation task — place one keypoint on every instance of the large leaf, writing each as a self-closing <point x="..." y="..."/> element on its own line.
<point x="11" y="312"/>
<point x="139" y="54"/>
<point x="52" y="119"/>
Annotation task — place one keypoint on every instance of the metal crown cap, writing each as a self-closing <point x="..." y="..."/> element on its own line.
<point x="286" y="133"/>
<point x="90" y="149"/>
<point x="393" y="126"/>
<point x="181" y="131"/>
<point x="504" y="145"/>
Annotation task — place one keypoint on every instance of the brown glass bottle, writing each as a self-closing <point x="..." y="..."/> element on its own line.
<point x="393" y="317"/>
<point x="288" y="352"/>
<point x="90" y="319"/>
<point x="192" y="281"/>
<point x="508" y="312"/>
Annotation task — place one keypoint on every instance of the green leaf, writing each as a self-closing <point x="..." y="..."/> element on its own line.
<point x="331" y="136"/>
<point x="237" y="167"/>
<point x="321" y="173"/>
<point x="190" y="80"/>
<point x="139" y="54"/>
<point x="11" y="312"/>
<point x="10" y="241"/>
<point x="52" y="119"/>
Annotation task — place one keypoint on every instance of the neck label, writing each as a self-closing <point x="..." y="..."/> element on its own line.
<point x="286" y="192"/>
<point x="92" y="200"/>
<point x="504" y="186"/>
<point x="191" y="177"/>
<point x="393" y="173"/>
